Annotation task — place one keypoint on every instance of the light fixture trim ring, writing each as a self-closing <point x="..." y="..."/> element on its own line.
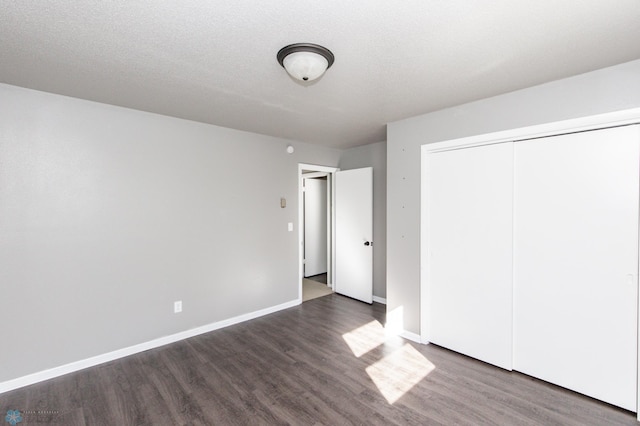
<point x="305" y="47"/>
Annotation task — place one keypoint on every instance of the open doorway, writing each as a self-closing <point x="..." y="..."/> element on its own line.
<point x="314" y="209"/>
<point x="316" y="230"/>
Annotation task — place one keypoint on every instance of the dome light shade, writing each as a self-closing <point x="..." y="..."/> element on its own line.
<point x="305" y="66"/>
<point x="305" y="61"/>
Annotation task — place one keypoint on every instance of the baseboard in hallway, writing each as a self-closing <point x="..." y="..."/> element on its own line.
<point x="321" y="278"/>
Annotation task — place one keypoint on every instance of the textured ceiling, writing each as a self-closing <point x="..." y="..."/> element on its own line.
<point x="215" y="61"/>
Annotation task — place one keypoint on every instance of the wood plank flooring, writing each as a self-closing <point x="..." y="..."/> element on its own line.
<point x="325" y="362"/>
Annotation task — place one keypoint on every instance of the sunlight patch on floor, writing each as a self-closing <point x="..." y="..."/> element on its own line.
<point x="398" y="372"/>
<point x="365" y="338"/>
<point x="403" y="366"/>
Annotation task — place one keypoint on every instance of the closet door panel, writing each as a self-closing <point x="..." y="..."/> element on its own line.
<point x="576" y="262"/>
<point x="469" y="214"/>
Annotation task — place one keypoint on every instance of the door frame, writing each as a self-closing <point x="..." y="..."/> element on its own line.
<point x="317" y="170"/>
<point x="306" y="177"/>
<point x="599" y="121"/>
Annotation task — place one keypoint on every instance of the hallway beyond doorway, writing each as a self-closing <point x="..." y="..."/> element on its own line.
<point x="312" y="289"/>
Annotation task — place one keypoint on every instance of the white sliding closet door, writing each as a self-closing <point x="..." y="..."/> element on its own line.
<point x="469" y="228"/>
<point x="576" y="262"/>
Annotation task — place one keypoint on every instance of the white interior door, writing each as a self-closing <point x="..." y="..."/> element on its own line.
<point x="469" y="249"/>
<point x="576" y="262"/>
<point x="354" y="234"/>
<point x="315" y="226"/>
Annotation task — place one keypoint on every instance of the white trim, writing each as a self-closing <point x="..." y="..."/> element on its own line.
<point x="380" y="300"/>
<point x="411" y="336"/>
<point x="612" y="119"/>
<point x="314" y="175"/>
<point x="317" y="168"/>
<point x="425" y="331"/>
<point x="131" y="350"/>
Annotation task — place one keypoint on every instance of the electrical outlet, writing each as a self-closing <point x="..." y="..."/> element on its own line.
<point x="177" y="306"/>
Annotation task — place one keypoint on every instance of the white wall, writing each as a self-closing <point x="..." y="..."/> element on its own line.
<point x="374" y="155"/>
<point x="108" y="215"/>
<point x="606" y="90"/>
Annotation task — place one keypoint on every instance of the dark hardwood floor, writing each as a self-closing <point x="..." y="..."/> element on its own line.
<point x="325" y="362"/>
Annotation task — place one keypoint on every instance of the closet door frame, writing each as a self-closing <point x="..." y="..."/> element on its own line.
<point x="618" y="118"/>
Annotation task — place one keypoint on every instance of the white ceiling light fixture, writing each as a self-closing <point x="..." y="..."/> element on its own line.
<point x="305" y="61"/>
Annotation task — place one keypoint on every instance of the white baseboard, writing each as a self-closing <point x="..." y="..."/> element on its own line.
<point x="411" y="336"/>
<point x="379" y="300"/>
<point x="131" y="350"/>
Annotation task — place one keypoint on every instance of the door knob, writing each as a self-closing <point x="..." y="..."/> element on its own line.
<point x="367" y="243"/>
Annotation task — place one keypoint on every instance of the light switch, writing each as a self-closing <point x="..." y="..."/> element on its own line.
<point x="283" y="202"/>
<point x="290" y="226"/>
